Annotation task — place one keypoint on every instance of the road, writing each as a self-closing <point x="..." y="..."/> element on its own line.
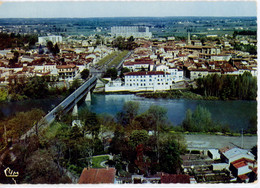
<point x="217" y="141"/>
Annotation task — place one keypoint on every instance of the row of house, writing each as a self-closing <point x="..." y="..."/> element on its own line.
<point x="108" y="176"/>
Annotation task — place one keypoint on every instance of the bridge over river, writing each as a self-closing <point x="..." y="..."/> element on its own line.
<point x="65" y="106"/>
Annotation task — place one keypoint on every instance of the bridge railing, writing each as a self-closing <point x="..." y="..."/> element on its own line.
<point x="49" y="118"/>
<point x="73" y="95"/>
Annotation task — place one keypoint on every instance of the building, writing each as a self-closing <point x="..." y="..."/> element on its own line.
<point x="154" y="80"/>
<point x="141" y="81"/>
<point x="128" y="31"/>
<point x="97" y="175"/>
<point x="54" y="39"/>
<point x="139" y="65"/>
<point x="67" y="72"/>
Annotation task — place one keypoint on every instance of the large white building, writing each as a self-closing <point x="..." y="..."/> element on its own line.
<point x="54" y="39"/>
<point x="175" y="73"/>
<point x="142" y="81"/>
<point x="128" y="31"/>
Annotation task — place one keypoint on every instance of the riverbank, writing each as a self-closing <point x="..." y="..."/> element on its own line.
<point x="176" y="94"/>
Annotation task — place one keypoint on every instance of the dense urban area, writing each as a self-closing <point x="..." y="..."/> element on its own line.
<point x="195" y="58"/>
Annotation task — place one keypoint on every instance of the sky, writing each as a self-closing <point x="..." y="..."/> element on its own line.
<point x="89" y="9"/>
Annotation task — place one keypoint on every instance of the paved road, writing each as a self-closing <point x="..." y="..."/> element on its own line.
<point x="216" y="141"/>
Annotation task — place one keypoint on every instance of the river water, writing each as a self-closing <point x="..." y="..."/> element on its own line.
<point x="234" y="113"/>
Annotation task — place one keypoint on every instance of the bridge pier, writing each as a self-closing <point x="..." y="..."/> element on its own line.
<point x="88" y="97"/>
<point x="75" y="110"/>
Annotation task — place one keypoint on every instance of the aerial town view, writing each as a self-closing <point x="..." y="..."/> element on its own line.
<point x="128" y="92"/>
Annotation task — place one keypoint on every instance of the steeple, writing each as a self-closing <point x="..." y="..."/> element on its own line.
<point x="189" y="41"/>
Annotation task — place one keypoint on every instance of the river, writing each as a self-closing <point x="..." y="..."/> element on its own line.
<point x="234" y="113"/>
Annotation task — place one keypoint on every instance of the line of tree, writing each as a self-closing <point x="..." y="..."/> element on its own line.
<point x="244" y="32"/>
<point x="124" y="44"/>
<point x="16" y="40"/>
<point x="242" y="87"/>
<point x="36" y="87"/>
<point x="200" y="121"/>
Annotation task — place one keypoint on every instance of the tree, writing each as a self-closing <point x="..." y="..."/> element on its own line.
<point x="170" y="161"/>
<point x="3" y="95"/>
<point x="138" y="137"/>
<point x="50" y="46"/>
<point x="112" y="73"/>
<point x="56" y="49"/>
<point x="75" y="85"/>
<point x="84" y="74"/>
<point x="128" y="113"/>
<point x="90" y="122"/>
<point x="124" y="70"/>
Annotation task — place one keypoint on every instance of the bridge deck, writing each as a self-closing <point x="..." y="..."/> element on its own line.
<point x="67" y="104"/>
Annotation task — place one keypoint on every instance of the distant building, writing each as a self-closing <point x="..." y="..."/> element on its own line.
<point x="54" y="39"/>
<point x="128" y="31"/>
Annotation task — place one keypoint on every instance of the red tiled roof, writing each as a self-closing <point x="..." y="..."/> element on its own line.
<point x="145" y="73"/>
<point x="239" y="164"/>
<point x="97" y="175"/>
<point x="243" y="177"/>
<point x="139" y="62"/>
<point x="175" y="178"/>
<point x="243" y="159"/>
<point x="65" y="66"/>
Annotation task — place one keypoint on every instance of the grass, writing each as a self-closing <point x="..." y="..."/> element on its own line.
<point x="119" y="58"/>
<point x="107" y="58"/>
<point x="51" y="131"/>
<point x="96" y="160"/>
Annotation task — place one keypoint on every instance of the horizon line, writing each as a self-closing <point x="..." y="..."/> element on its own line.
<point x="124" y="17"/>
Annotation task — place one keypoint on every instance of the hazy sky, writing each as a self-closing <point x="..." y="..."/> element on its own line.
<point x="125" y="9"/>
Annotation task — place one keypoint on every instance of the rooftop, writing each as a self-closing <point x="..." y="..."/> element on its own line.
<point x="145" y="73"/>
<point x="97" y="175"/>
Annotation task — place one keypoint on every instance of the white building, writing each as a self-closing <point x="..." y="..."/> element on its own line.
<point x="154" y="80"/>
<point x="139" y="65"/>
<point x="142" y="81"/>
<point x="54" y="39"/>
<point x="175" y="73"/>
<point x="128" y="31"/>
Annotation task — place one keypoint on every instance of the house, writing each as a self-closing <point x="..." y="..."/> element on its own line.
<point x="97" y="175"/>
<point x="241" y="166"/>
<point x="231" y="155"/>
<point x="67" y="72"/>
<point x="213" y="154"/>
<point x="139" y="65"/>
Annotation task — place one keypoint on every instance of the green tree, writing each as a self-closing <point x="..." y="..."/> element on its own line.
<point x="56" y="49"/>
<point x="3" y="95"/>
<point x="170" y="161"/>
<point x="84" y="74"/>
<point x="111" y="73"/>
<point x="128" y="113"/>
<point x="124" y="70"/>
<point x="138" y="137"/>
<point x="75" y="85"/>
